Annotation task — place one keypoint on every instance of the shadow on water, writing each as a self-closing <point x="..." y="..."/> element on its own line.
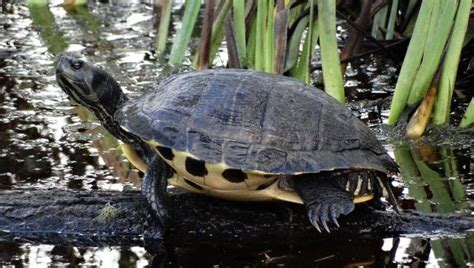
<point x="46" y="142"/>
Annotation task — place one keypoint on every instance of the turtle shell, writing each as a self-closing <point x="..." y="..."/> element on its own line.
<point x="256" y="121"/>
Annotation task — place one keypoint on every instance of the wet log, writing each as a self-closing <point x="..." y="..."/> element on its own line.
<point x="121" y="218"/>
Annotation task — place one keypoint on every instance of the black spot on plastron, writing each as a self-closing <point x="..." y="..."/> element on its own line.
<point x="234" y="175"/>
<point x="166" y="152"/>
<point x="195" y="167"/>
<point x="194" y="185"/>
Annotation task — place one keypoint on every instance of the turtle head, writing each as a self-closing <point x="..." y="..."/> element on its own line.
<point x="95" y="89"/>
<point x="89" y="86"/>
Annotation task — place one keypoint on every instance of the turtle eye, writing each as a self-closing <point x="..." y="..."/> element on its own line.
<point x="77" y="64"/>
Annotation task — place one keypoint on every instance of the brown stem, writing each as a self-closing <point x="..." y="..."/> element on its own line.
<point x="205" y="43"/>
<point x="230" y="41"/>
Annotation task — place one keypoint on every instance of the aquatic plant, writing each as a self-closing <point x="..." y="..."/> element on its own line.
<point x="282" y="37"/>
<point x="288" y="36"/>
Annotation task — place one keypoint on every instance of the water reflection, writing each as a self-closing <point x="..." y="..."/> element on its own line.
<point x="43" y="143"/>
<point x="434" y="183"/>
<point x="432" y="178"/>
<point x="47" y="255"/>
<point x="43" y="19"/>
<point x="48" y="142"/>
<point x="437" y="252"/>
<point x="365" y="252"/>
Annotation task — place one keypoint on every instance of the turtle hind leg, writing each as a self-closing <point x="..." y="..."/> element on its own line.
<point x="323" y="198"/>
<point x="154" y="189"/>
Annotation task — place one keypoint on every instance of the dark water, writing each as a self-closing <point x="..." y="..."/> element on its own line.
<point x="46" y="142"/>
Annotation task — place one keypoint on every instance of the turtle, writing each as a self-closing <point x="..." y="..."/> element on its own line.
<point x="239" y="135"/>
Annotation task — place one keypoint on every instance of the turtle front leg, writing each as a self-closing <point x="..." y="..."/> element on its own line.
<point x="323" y="198"/>
<point x="154" y="189"/>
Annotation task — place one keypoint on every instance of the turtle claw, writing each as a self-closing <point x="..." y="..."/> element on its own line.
<point x="323" y="218"/>
<point x="321" y="215"/>
<point x="315" y="224"/>
<point x="325" y="225"/>
<point x="318" y="215"/>
<point x="335" y="212"/>
<point x="324" y="201"/>
<point x="312" y="215"/>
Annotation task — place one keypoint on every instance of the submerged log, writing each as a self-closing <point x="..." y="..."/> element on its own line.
<point x="121" y="218"/>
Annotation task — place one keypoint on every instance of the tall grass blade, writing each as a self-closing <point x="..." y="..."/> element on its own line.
<point x="391" y="20"/>
<point x="294" y="44"/>
<point x="250" y="15"/>
<point x="411" y="62"/>
<point x="329" y="54"/>
<point x="301" y="70"/>
<point x="294" y="11"/>
<point x="183" y="36"/>
<point x="217" y="29"/>
<point x="260" y="33"/>
<point x="411" y="7"/>
<point x="468" y="118"/>
<point x="251" y="46"/>
<point x="165" y="18"/>
<point x="451" y="62"/>
<point x="440" y="28"/>
<point x="379" y="22"/>
<point x="251" y="26"/>
<point x="239" y="30"/>
<point x="269" y="40"/>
